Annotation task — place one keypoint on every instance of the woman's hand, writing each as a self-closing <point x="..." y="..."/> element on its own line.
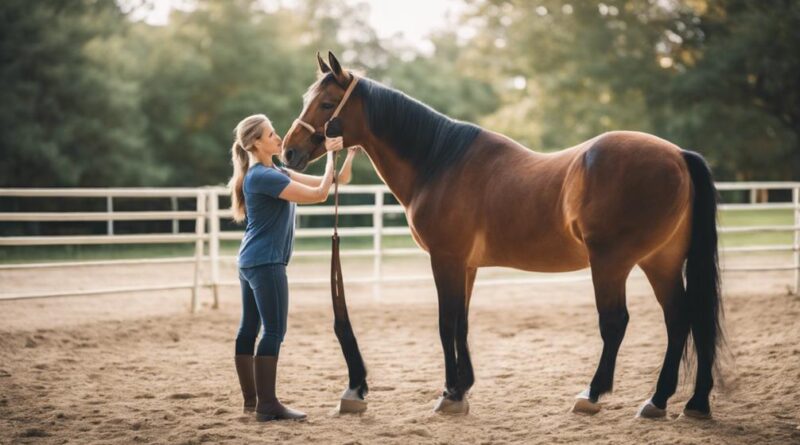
<point x="334" y="144"/>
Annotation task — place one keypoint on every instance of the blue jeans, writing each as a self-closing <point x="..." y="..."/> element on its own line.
<point x="265" y="301"/>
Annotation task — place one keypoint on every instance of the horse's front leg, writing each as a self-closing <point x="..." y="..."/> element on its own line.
<point x="451" y="276"/>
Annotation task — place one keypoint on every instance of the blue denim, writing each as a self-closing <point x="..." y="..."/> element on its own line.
<point x="265" y="301"/>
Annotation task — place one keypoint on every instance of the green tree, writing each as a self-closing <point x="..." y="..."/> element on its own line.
<point x="738" y="96"/>
<point x="703" y="74"/>
<point x="442" y="80"/>
<point x="224" y="61"/>
<point x="70" y="107"/>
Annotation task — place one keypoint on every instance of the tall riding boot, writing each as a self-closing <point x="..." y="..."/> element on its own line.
<point x="244" y="369"/>
<point x="269" y="408"/>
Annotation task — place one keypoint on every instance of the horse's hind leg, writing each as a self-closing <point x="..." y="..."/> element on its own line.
<point x="608" y="276"/>
<point x="664" y="271"/>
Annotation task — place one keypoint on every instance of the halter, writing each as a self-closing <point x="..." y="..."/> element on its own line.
<point x="344" y="330"/>
<point x="310" y="128"/>
<point x="346" y="96"/>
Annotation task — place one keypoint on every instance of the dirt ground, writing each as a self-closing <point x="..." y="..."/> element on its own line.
<point x="140" y="369"/>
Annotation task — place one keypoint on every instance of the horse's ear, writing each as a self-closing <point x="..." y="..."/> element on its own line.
<point x="341" y="77"/>
<point x="323" y="67"/>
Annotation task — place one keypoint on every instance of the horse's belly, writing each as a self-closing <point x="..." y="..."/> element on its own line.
<point x="545" y="265"/>
<point x="542" y="255"/>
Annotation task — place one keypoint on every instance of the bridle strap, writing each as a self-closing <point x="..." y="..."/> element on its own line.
<point x="303" y="124"/>
<point x="346" y="96"/>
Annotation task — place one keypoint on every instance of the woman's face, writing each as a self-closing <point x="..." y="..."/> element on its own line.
<point x="270" y="142"/>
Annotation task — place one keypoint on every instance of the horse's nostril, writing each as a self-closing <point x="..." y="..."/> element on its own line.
<point x="289" y="155"/>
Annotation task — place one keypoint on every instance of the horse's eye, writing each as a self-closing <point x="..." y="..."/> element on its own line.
<point x="327" y="106"/>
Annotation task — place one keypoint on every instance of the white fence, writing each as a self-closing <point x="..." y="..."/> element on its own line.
<point x="207" y="218"/>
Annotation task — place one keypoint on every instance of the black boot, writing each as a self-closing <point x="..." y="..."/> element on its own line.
<point x="244" y="369"/>
<point x="269" y="408"/>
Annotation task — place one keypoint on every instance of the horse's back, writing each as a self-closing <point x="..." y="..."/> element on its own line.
<point x="509" y="206"/>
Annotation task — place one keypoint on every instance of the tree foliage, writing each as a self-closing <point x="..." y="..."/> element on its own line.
<point x="70" y="113"/>
<point x="96" y="99"/>
<point x="92" y="97"/>
<point x="718" y="76"/>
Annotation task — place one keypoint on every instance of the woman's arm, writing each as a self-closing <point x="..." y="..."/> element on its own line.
<point x="301" y="193"/>
<point x="346" y="173"/>
<point x="309" y="180"/>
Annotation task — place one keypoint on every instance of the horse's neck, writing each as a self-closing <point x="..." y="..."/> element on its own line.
<point x="398" y="174"/>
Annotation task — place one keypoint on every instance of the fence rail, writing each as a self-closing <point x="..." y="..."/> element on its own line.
<point x="207" y="216"/>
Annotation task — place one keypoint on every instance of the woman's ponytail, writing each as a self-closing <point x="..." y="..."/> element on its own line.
<point x="246" y="133"/>
<point x="241" y="163"/>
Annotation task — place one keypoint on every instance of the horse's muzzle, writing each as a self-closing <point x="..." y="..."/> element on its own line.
<point x="295" y="159"/>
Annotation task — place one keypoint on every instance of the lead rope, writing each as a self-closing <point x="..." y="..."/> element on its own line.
<point x="337" y="283"/>
<point x="335" y="195"/>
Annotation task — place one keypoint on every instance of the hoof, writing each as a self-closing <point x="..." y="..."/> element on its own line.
<point x="695" y="414"/>
<point x="351" y="403"/>
<point x="447" y="406"/>
<point x="650" y="411"/>
<point x="584" y="404"/>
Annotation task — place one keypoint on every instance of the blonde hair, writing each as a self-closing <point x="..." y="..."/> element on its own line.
<point x="249" y="130"/>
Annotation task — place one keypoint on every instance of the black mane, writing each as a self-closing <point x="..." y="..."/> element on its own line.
<point x="428" y="139"/>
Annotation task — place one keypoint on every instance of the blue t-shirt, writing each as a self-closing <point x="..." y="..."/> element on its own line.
<point x="269" y="235"/>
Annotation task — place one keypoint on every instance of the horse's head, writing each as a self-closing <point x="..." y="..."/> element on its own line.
<point x="305" y="141"/>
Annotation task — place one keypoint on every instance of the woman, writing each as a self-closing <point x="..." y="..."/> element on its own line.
<point x="266" y="195"/>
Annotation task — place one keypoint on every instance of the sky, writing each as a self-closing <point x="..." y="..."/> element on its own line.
<point x="412" y="19"/>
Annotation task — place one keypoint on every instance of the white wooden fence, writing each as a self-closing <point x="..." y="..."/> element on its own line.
<point x="207" y="218"/>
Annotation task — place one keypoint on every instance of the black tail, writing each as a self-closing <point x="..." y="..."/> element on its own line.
<point x="702" y="270"/>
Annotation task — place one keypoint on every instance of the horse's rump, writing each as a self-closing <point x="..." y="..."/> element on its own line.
<point x="629" y="192"/>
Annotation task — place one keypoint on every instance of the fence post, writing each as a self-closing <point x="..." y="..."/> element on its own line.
<point x="796" y="243"/>
<point x="199" y="231"/>
<point x="110" y="209"/>
<point x="377" y="238"/>
<point x="174" y="201"/>
<point x="213" y="243"/>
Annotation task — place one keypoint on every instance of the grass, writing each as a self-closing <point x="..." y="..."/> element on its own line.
<point x="26" y="254"/>
<point x="746" y="218"/>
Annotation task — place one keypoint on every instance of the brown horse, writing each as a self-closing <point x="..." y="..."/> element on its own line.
<point x="474" y="198"/>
